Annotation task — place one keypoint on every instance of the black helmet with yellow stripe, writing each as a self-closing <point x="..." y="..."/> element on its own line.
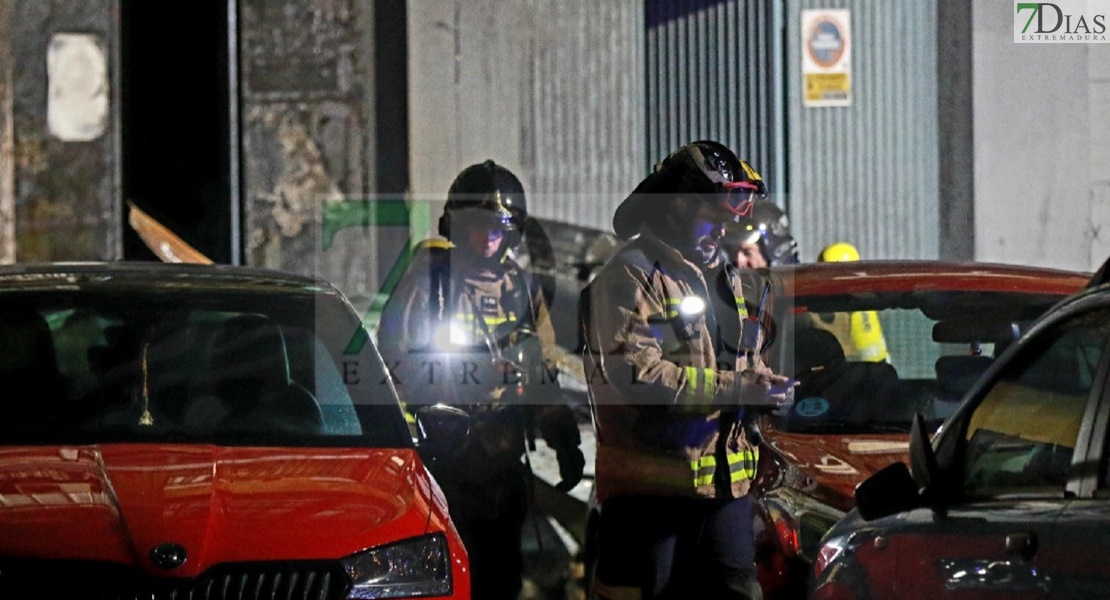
<point x="705" y="169"/>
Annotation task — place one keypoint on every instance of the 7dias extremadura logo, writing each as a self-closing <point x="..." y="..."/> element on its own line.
<point x="1061" y="22"/>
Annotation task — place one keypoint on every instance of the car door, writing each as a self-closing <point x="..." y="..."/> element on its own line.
<point x="1084" y="526"/>
<point x="1026" y="461"/>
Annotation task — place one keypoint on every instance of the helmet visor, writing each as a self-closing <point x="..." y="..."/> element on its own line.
<point x="479" y="218"/>
<point x="738" y="197"/>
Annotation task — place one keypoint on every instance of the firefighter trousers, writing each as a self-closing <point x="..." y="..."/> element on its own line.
<point x="660" y="548"/>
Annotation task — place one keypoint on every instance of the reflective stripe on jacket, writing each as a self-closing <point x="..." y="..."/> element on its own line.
<point x="659" y="372"/>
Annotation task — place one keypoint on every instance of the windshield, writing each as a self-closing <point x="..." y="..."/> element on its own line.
<point x="868" y="362"/>
<point x="208" y="367"/>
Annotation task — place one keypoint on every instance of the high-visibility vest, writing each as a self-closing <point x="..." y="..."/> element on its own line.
<point x="867" y="336"/>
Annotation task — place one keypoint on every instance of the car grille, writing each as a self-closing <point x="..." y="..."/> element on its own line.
<point x="100" y="581"/>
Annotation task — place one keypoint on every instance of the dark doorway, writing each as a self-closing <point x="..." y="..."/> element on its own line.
<point x="176" y="115"/>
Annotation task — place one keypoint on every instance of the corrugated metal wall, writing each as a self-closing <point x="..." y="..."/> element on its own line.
<point x="612" y="87"/>
<point x="868" y="173"/>
<point x="584" y="138"/>
<point x="602" y="91"/>
<point x="618" y="85"/>
<point x="710" y="75"/>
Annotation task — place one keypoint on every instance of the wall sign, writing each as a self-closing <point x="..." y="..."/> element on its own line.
<point x="77" y="74"/>
<point x="826" y="58"/>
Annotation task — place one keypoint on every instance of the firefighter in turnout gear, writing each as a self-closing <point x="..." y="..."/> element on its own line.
<point x="672" y="360"/>
<point x="761" y="238"/>
<point x="467" y="326"/>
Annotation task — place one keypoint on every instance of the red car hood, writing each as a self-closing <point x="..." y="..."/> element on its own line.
<point x="116" y="503"/>
<point x="830" y="466"/>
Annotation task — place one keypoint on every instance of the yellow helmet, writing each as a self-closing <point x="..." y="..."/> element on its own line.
<point x="839" y="252"/>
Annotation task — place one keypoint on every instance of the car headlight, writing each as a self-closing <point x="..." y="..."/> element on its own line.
<point x="414" y="567"/>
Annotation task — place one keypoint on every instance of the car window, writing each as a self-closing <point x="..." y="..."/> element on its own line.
<point x="1021" y="436"/>
<point x="868" y="363"/>
<point x="223" y="369"/>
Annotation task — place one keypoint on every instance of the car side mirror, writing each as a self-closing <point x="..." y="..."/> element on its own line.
<point x="888" y="491"/>
<point x="895" y="488"/>
<point x="441" y="431"/>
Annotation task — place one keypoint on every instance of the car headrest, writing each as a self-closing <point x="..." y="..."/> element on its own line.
<point x="962" y="368"/>
<point x="250" y="347"/>
<point x="815" y="347"/>
<point x="26" y="344"/>
<point x="28" y="361"/>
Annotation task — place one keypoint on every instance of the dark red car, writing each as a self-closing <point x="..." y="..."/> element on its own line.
<point x="1010" y="497"/>
<point x="872" y="344"/>
<point x="184" y="431"/>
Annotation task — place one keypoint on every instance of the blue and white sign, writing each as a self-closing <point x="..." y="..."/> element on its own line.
<point x="826" y="58"/>
<point x="811" y="407"/>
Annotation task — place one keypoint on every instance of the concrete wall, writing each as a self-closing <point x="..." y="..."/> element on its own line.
<point x="1042" y="146"/>
<point x="551" y="90"/>
<point x="466" y="90"/>
<point x="896" y="173"/>
<point x="59" y="188"/>
<point x="310" y="167"/>
<point x="1098" y="89"/>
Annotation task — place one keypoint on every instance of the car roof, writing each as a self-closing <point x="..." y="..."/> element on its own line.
<point x="1081" y="301"/>
<point x="815" y="279"/>
<point x="150" y="275"/>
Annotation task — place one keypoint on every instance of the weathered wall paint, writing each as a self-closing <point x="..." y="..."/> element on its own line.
<point x="64" y="195"/>
<point x="308" y="140"/>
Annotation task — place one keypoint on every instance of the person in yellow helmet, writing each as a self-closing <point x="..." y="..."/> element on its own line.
<point x="838" y="252"/>
<point x="865" y="332"/>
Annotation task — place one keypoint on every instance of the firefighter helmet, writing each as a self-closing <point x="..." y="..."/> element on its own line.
<point x="705" y="169"/>
<point x="770" y="227"/>
<point x="489" y="194"/>
<point x="839" y="252"/>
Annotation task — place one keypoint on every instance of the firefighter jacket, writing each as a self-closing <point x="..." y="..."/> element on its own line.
<point x="660" y="355"/>
<point x="441" y="333"/>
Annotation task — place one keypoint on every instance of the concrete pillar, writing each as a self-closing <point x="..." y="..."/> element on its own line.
<point x="63" y="182"/>
<point x="7" y="193"/>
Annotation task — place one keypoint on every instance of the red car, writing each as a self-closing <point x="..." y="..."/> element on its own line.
<point x="183" y="431"/>
<point x="872" y="344"/>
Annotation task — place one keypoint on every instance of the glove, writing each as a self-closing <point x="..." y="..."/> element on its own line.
<point x="571" y="464"/>
<point x="787" y="404"/>
<point x="559" y="429"/>
<point x="765" y="389"/>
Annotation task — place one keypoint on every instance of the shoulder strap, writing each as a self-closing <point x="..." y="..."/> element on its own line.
<point x="585" y="323"/>
<point x="440" y="304"/>
<point x="522" y="281"/>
